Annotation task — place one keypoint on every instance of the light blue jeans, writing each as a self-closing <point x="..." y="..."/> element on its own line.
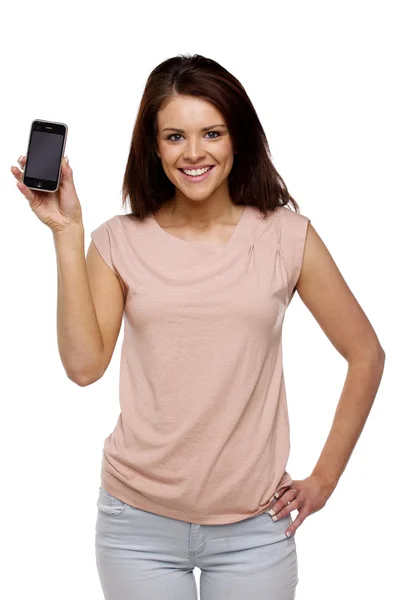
<point x="144" y="556"/>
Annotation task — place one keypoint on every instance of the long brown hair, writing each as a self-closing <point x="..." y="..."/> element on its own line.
<point x="253" y="178"/>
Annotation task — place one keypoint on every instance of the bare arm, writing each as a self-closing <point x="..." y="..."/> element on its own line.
<point x="326" y="294"/>
<point x="79" y="338"/>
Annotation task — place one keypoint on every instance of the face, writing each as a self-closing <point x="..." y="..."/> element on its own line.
<point x="192" y="148"/>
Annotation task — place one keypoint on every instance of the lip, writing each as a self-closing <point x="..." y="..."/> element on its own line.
<point x="199" y="178"/>
<point x="194" y="167"/>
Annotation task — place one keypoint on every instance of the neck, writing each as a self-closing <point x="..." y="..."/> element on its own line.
<point x="200" y="214"/>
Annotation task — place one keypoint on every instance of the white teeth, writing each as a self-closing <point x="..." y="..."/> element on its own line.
<point x="197" y="171"/>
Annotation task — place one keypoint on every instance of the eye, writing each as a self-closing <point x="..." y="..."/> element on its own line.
<point x="218" y="134"/>
<point x="174" y="134"/>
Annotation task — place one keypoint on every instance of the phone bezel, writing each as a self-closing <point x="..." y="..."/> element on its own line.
<point x="45" y="185"/>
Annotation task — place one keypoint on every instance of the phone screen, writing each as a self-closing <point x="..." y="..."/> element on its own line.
<point x="45" y="150"/>
<point x="44" y="155"/>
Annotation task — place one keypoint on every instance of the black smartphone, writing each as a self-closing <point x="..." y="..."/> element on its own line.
<point x="46" y="147"/>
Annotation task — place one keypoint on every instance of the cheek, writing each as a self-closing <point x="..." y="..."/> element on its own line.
<point x="168" y="154"/>
<point x="226" y="157"/>
<point x="227" y="164"/>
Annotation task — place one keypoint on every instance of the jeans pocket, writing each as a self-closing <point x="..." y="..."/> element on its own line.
<point x="108" y="505"/>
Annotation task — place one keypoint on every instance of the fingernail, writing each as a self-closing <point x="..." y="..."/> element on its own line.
<point x="274" y="518"/>
<point x="271" y="512"/>
<point x="276" y="495"/>
<point x="288" y="533"/>
<point x="66" y="160"/>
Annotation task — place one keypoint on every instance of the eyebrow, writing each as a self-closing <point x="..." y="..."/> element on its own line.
<point x="203" y="129"/>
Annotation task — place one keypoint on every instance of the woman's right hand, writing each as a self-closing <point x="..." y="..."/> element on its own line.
<point x="58" y="210"/>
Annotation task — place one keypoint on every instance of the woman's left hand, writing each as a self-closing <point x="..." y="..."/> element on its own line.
<point x="307" y="496"/>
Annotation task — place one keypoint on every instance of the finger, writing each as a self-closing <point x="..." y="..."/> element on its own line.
<point x="281" y="503"/>
<point x="296" y="523"/>
<point x="66" y="169"/>
<point x="22" y="161"/>
<point x="29" y="195"/>
<point x="66" y="178"/>
<point x="17" y="173"/>
<point x="286" y="511"/>
<point x="281" y="492"/>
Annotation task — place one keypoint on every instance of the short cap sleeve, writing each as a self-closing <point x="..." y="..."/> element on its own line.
<point x="107" y="239"/>
<point x="102" y="240"/>
<point x="292" y="240"/>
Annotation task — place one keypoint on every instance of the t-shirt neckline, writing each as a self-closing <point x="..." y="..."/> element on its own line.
<point x="200" y="245"/>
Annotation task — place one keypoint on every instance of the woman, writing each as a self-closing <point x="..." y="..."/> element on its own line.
<point x="202" y="269"/>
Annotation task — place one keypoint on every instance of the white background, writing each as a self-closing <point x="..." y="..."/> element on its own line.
<point x="323" y="79"/>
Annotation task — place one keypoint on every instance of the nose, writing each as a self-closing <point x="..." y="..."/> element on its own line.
<point x="193" y="151"/>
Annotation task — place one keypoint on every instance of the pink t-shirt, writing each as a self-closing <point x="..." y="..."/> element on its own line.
<point x="203" y="432"/>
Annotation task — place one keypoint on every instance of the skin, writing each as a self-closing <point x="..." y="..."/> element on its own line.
<point x="200" y="211"/>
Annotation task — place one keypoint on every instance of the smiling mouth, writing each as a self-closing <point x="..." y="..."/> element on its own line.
<point x="195" y="178"/>
<point x="193" y="169"/>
